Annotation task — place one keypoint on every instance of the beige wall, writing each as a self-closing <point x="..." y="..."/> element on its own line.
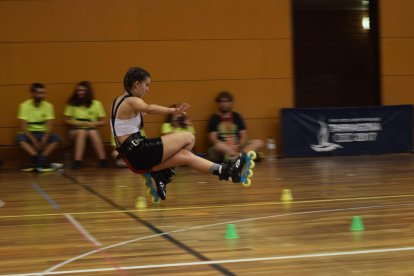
<point x="193" y="49"/>
<point x="397" y="51"/>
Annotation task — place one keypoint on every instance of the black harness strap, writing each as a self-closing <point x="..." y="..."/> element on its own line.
<point x="115" y="108"/>
<point x="114" y="111"/>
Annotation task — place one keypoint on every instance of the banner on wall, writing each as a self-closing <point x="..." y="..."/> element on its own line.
<point x="346" y="131"/>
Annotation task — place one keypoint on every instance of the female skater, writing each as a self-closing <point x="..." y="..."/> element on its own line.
<point x="158" y="155"/>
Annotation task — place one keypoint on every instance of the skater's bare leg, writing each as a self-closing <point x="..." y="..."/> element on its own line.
<point x="185" y="157"/>
<point x="174" y="142"/>
<point x="224" y="171"/>
<point x="177" y="151"/>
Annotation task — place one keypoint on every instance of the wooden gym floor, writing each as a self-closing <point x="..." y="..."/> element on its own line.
<point x="91" y="222"/>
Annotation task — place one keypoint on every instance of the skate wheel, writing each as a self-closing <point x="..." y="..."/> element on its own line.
<point x="155" y="201"/>
<point x="252" y="164"/>
<point x="247" y="182"/>
<point x="252" y="154"/>
<point x="249" y="173"/>
<point x="148" y="181"/>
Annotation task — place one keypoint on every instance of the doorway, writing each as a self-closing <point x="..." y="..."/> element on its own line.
<point x="336" y="53"/>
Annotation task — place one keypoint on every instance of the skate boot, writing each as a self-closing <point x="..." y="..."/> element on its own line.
<point x="225" y="172"/>
<point x="239" y="169"/>
<point x="157" y="184"/>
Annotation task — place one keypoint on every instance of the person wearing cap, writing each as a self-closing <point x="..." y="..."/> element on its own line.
<point x="36" y="117"/>
<point x="227" y="131"/>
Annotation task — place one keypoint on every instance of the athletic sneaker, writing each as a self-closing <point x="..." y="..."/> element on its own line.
<point x="43" y="169"/>
<point x="29" y="168"/>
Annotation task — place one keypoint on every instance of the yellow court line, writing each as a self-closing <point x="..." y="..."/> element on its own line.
<point x="213" y="206"/>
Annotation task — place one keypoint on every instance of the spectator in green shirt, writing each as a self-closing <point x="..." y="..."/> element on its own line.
<point x="85" y="115"/>
<point x="36" y="138"/>
<point x="177" y="123"/>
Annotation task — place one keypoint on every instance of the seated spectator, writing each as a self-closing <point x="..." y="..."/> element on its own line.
<point x="36" y="138"/>
<point x="85" y="115"/>
<point x="177" y="123"/>
<point x="227" y="131"/>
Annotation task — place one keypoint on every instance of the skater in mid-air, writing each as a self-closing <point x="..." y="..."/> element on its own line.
<point x="158" y="156"/>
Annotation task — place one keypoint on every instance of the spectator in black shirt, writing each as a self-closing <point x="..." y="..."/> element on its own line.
<point x="227" y="131"/>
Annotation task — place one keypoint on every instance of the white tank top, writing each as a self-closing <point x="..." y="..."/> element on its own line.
<point x="121" y="127"/>
<point x="127" y="126"/>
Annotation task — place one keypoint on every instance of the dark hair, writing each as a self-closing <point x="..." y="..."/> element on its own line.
<point x="181" y="119"/>
<point x="170" y="116"/>
<point x="35" y="86"/>
<point x="134" y="74"/>
<point x="224" y="95"/>
<point x="87" y="100"/>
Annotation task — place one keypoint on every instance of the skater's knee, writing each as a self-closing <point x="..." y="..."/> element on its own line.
<point x="189" y="138"/>
<point x="185" y="153"/>
<point x="185" y="156"/>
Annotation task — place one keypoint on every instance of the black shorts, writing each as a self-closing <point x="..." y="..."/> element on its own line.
<point x="147" y="154"/>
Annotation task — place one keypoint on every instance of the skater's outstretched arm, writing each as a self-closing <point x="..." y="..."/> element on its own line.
<point x="138" y="105"/>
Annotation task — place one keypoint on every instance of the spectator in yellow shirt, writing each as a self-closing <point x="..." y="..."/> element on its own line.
<point x="177" y="123"/>
<point x="85" y="115"/>
<point x="36" y="138"/>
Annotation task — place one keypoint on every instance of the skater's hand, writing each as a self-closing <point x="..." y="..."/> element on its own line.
<point x="181" y="109"/>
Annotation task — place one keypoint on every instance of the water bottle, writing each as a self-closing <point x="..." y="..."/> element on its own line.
<point x="271" y="149"/>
